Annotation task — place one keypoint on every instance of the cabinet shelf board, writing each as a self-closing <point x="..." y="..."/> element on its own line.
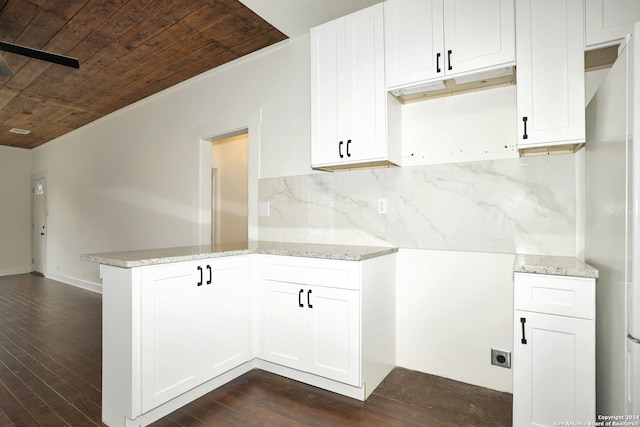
<point x="453" y="88"/>
<point x="599" y="59"/>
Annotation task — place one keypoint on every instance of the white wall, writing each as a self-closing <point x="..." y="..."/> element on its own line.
<point x="453" y="307"/>
<point x="472" y="126"/>
<point x="132" y="179"/>
<point x="15" y="210"/>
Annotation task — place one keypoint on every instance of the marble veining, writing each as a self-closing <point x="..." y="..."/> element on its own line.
<point x="140" y="258"/>
<point x="554" y="265"/>
<point x="504" y="206"/>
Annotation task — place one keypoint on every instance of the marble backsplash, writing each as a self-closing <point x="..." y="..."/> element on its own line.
<point x="524" y="205"/>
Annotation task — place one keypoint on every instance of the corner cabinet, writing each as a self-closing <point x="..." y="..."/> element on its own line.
<point x="348" y="97"/>
<point x="430" y="40"/>
<point x="176" y="331"/>
<point x="327" y="319"/>
<point x="554" y="350"/>
<point x="167" y="330"/>
<point x="550" y="73"/>
<point x="194" y="325"/>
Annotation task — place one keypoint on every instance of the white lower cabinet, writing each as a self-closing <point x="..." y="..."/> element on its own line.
<point x="170" y="330"/>
<point x="167" y="331"/>
<point x="554" y="350"/>
<point x="314" y="329"/>
<point x="173" y="332"/>
<point x="329" y="323"/>
<point x="194" y="325"/>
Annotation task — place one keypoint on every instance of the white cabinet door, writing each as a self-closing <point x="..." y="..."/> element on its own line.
<point x="550" y="72"/>
<point x="414" y="41"/>
<point x="228" y="314"/>
<point x="609" y="21"/>
<point x="429" y="40"/>
<point x="327" y="93"/>
<point x="313" y="329"/>
<point x="478" y="35"/>
<point x="194" y="324"/>
<point x="365" y="91"/>
<point x="333" y="328"/>
<point x="171" y="310"/>
<point x="554" y="369"/>
<point x="283" y="324"/>
<point x="348" y="98"/>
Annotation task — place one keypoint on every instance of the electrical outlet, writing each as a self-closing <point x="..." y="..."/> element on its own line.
<point x="382" y="206"/>
<point x="501" y="358"/>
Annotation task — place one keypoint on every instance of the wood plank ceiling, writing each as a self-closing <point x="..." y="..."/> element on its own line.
<point x="128" y="50"/>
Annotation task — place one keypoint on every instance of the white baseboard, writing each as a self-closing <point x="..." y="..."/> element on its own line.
<point x="12" y="271"/>
<point x="116" y="418"/>
<point x="84" y="284"/>
<point x="359" y="393"/>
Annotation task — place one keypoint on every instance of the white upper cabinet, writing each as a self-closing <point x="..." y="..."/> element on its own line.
<point x="550" y="73"/>
<point x="414" y="40"/>
<point x="608" y="21"/>
<point x="348" y="97"/>
<point x="430" y="40"/>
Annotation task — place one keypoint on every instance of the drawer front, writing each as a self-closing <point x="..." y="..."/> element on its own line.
<point x="311" y="271"/>
<point x="560" y="295"/>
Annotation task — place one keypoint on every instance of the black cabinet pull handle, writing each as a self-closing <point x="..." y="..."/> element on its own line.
<point x="200" y="270"/>
<point x="309" y="299"/>
<point x="340" y="149"/>
<point x="524" y="120"/>
<point x="449" y="60"/>
<point x="348" y="153"/>
<point x="523" y="321"/>
<point x="210" y="275"/>
<point x="300" y="298"/>
<point x="438" y="62"/>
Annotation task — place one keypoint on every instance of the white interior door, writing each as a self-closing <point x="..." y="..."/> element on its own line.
<point x="39" y="225"/>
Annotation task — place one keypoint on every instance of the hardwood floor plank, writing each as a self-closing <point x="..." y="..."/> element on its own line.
<point x="472" y="405"/>
<point x="4" y="419"/>
<point x="50" y="375"/>
<point x="25" y="398"/>
<point x="49" y="368"/>
<point x="15" y="413"/>
<point x="68" y="403"/>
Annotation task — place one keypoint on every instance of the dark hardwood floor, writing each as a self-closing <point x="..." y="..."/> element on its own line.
<point x="50" y="375"/>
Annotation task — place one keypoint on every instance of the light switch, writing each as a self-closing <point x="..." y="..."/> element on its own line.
<point x="263" y="209"/>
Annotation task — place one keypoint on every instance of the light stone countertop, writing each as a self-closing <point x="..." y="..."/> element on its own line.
<point x="554" y="265"/>
<point x="140" y="258"/>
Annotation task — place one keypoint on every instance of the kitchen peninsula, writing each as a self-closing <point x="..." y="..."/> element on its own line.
<point x="180" y="322"/>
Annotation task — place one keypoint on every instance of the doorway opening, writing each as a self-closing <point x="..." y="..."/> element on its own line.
<point x="229" y="188"/>
<point x="38" y="225"/>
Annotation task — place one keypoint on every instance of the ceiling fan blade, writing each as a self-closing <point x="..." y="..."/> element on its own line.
<point x="40" y="54"/>
<point x="4" y="68"/>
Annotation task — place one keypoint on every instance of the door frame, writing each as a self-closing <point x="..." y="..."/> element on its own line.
<point x="218" y="129"/>
<point x="37" y="177"/>
<point x="215" y="227"/>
